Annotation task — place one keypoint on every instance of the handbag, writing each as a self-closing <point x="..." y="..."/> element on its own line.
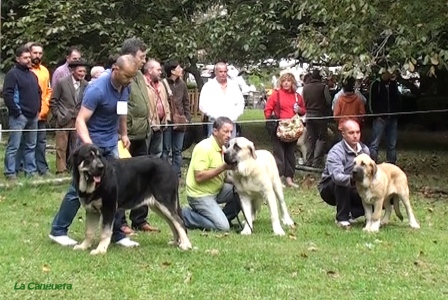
<point x="291" y="130"/>
<point x="273" y="120"/>
<point x="179" y="119"/>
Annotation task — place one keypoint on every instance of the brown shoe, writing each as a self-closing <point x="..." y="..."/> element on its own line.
<point x="127" y="230"/>
<point x="148" y="228"/>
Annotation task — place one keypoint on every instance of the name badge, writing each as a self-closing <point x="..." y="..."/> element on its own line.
<point x="122" y="108"/>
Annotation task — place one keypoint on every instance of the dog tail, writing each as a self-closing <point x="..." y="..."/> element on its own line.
<point x="396" y="203"/>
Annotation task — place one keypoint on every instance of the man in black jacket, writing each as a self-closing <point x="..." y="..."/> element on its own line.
<point x="384" y="98"/>
<point x="22" y="95"/>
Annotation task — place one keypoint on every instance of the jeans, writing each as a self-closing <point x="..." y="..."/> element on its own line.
<point x="29" y="145"/>
<point x="210" y="129"/>
<point x="172" y="142"/>
<point x="155" y="143"/>
<point x="205" y="212"/>
<point x="389" y="125"/>
<point x="70" y="205"/>
<point x="41" y="147"/>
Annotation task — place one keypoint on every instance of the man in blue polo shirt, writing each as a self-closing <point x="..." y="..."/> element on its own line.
<point x="99" y="120"/>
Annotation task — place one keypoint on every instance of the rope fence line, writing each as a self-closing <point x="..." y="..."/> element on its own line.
<point x="415" y="112"/>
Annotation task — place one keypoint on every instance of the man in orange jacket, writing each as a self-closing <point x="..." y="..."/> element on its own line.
<point x="43" y="77"/>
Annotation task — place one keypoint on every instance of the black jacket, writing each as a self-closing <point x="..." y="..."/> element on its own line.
<point x="21" y="92"/>
<point x="383" y="98"/>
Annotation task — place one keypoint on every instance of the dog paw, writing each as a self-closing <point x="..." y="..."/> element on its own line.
<point x="246" y="231"/>
<point x="288" y="222"/>
<point x="81" y="247"/>
<point x="279" y="231"/>
<point x="185" y="246"/>
<point x="98" y="251"/>
<point x="414" y="225"/>
<point x="173" y="243"/>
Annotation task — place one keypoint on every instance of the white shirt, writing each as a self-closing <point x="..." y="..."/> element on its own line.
<point x="358" y="147"/>
<point x="216" y="102"/>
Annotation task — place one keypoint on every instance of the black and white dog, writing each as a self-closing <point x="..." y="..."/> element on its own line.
<point x="105" y="185"/>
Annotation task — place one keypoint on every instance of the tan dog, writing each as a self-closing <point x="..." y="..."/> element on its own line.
<point x="256" y="179"/>
<point x="377" y="185"/>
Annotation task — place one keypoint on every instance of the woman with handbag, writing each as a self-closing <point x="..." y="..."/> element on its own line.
<point x="284" y="103"/>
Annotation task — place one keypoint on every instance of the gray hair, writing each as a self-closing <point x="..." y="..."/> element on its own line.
<point x="219" y="64"/>
<point x="219" y="122"/>
<point x="149" y="65"/>
<point x="132" y="45"/>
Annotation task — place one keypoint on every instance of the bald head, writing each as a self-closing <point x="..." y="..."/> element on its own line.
<point x="124" y="70"/>
<point x="350" y="125"/>
<point x="126" y="61"/>
<point x="351" y="133"/>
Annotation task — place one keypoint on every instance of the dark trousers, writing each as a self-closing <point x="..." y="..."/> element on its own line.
<point x="137" y="215"/>
<point x="284" y="154"/>
<point x="316" y="139"/>
<point x="346" y="200"/>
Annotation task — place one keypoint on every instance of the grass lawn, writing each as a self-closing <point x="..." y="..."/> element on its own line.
<point x="316" y="260"/>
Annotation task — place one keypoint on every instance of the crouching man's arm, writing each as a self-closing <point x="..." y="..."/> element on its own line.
<point x="336" y="169"/>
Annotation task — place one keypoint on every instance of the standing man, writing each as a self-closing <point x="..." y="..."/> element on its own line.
<point x="180" y="102"/>
<point x="65" y="104"/>
<point x="22" y="96"/>
<point x="384" y="97"/>
<point x="99" y="121"/>
<point x="138" y="127"/>
<point x="159" y="108"/>
<point x="317" y="99"/>
<point x="221" y="97"/>
<point x="72" y="54"/>
<point x="43" y="76"/>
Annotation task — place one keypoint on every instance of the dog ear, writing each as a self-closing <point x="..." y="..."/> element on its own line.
<point x="373" y="167"/>
<point x="252" y="150"/>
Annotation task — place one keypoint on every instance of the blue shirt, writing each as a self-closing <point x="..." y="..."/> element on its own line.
<point x="101" y="98"/>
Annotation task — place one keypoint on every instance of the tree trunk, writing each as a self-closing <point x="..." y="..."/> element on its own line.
<point x="193" y="69"/>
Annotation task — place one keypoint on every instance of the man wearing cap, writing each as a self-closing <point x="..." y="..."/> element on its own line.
<point x="65" y="103"/>
<point x="72" y="54"/>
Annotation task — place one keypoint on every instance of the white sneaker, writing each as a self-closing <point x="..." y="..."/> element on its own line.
<point x="63" y="240"/>
<point x="343" y="223"/>
<point x="127" y="242"/>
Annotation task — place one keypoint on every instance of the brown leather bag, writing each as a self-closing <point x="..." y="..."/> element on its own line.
<point x="179" y="120"/>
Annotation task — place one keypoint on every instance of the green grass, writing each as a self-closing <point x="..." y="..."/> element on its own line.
<point x="316" y="260"/>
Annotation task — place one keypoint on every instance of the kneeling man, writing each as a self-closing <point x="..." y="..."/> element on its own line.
<point x="205" y="183"/>
<point x="336" y="187"/>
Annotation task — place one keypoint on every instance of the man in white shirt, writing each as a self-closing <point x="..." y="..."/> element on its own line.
<point x="221" y="97"/>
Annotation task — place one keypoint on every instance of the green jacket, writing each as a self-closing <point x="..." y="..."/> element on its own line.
<point x="138" y="110"/>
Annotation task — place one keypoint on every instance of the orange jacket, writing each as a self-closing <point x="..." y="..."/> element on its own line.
<point x="349" y="104"/>
<point x="43" y="76"/>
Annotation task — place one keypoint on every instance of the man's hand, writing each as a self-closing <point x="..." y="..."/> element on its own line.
<point x="229" y="166"/>
<point x="126" y="141"/>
